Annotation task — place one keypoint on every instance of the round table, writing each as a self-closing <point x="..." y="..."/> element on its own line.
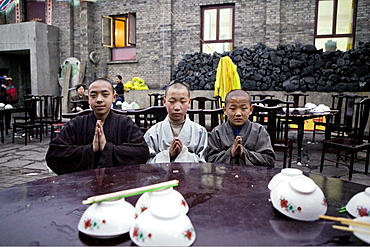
<point x="229" y="205"/>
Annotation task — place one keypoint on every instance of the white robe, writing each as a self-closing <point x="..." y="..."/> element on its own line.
<point x="193" y="136"/>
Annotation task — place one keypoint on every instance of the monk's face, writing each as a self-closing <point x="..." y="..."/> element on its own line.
<point x="177" y="103"/>
<point x="237" y="110"/>
<point x="101" y="97"/>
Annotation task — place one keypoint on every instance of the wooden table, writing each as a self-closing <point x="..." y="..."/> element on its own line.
<point x="229" y="205"/>
<point x="299" y="119"/>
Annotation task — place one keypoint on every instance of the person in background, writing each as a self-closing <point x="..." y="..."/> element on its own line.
<point x="102" y="138"/>
<point x="76" y="107"/>
<point x="119" y="87"/>
<point x="238" y="140"/>
<point x="177" y="138"/>
<point x="3" y="86"/>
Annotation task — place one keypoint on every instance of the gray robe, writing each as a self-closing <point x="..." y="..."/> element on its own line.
<point x="257" y="147"/>
<point x="192" y="135"/>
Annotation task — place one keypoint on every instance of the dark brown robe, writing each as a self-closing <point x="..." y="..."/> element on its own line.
<point x="71" y="150"/>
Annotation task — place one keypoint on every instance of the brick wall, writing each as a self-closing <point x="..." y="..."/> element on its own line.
<point x="162" y="40"/>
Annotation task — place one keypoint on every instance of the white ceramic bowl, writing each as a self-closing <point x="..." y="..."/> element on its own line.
<point x="107" y="219"/>
<point x="363" y="236"/>
<point x="163" y="225"/>
<point x="285" y="173"/>
<point x="8" y="106"/>
<point x="2" y="105"/>
<point x="161" y="197"/>
<point x="299" y="198"/>
<point x="359" y="204"/>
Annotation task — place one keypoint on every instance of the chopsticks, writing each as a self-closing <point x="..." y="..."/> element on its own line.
<point x="130" y="192"/>
<point x="349" y="222"/>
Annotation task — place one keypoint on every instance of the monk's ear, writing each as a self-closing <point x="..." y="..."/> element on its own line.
<point x="252" y="107"/>
<point x="164" y="100"/>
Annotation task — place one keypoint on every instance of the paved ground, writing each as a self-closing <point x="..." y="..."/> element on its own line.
<point x="20" y="163"/>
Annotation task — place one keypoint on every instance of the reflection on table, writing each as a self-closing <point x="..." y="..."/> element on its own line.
<point x="229" y="205"/>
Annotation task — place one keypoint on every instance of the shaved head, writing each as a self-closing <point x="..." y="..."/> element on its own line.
<point x="177" y="85"/>
<point x="237" y="93"/>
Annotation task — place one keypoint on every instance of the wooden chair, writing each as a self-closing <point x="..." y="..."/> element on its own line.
<point x="262" y="96"/>
<point x="146" y="118"/>
<point x="155" y="99"/>
<point x="207" y="118"/>
<point x="297" y="99"/>
<point x="52" y="112"/>
<point x="337" y="104"/>
<point x="269" y="114"/>
<point x="343" y="122"/>
<point x="353" y="143"/>
<point x="30" y="121"/>
<point x="202" y="103"/>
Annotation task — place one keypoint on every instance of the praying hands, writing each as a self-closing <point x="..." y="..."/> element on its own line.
<point x="237" y="148"/>
<point x="99" y="137"/>
<point x="175" y="148"/>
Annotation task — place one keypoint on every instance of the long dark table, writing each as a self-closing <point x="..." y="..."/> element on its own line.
<point x="229" y="205"/>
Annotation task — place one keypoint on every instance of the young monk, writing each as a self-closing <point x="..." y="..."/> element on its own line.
<point x="100" y="139"/>
<point x="240" y="141"/>
<point x="177" y="138"/>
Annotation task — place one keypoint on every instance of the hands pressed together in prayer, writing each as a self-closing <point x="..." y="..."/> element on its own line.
<point x="175" y="148"/>
<point x="99" y="137"/>
<point x="237" y="148"/>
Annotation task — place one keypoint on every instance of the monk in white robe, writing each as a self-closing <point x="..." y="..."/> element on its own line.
<point x="240" y="141"/>
<point x="177" y="138"/>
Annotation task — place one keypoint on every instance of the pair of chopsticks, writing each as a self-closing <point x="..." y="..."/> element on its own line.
<point x="130" y="192"/>
<point x="349" y="222"/>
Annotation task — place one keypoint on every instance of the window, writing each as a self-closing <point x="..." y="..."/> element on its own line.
<point x="335" y="24"/>
<point x="119" y="34"/>
<point x="35" y="10"/>
<point x="217" y="28"/>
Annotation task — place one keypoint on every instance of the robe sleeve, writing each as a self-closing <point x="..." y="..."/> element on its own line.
<point x="262" y="154"/>
<point x="66" y="155"/>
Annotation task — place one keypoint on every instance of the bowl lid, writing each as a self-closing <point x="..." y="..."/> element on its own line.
<point x="302" y="184"/>
<point x="291" y="171"/>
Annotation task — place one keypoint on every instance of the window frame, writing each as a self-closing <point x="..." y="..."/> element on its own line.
<point x="334" y="28"/>
<point x="217" y="40"/>
<point x="108" y="36"/>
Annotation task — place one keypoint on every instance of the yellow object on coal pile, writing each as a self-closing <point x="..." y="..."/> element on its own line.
<point x="227" y="77"/>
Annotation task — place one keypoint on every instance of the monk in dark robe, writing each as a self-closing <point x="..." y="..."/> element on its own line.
<point x="238" y="140"/>
<point x="100" y="139"/>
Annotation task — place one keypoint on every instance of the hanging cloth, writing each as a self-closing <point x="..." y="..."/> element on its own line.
<point x="227" y="77"/>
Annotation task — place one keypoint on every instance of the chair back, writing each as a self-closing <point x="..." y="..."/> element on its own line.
<point x="34" y="110"/>
<point x="146" y="118"/>
<point x="155" y="99"/>
<point x="297" y="98"/>
<point x="269" y="115"/>
<point x="207" y="118"/>
<point x="361" y="120"/>
<point x="202" y="103"/>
